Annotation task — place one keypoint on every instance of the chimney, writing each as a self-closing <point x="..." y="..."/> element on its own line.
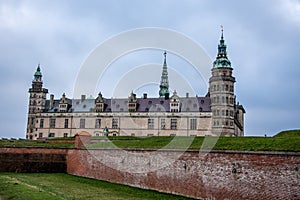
<point x="187" y="95"/>
<point x="82" y="97"/>
<point x="145" y="95"/>
<point x="51" y="101"/>
<point x="167" y="96"/>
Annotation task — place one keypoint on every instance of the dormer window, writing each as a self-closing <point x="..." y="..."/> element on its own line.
<point x="99" y="103"/>
<point x="63" y="104"/>
<point x="175" y="103"/>
<point x="132" y="103"/>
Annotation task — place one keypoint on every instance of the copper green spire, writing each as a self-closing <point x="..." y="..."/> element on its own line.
<point x="222" y="59"/>
<point x="38" y="74"/>
<point x="164" y="83"/>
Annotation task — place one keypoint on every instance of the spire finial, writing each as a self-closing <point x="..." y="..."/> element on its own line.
<point x="165" y="58"/>
<point x="222" y="30"/>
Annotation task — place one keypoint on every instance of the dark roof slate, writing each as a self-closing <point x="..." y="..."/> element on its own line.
<point x="188" y="104"/>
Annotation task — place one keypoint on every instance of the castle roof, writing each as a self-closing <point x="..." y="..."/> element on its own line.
<point x="188" y="104"/>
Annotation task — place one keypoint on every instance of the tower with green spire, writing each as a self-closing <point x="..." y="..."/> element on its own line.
<point x="37" y="102"/>
<point x="164" y="83"/>
<point x="221" y="90"/>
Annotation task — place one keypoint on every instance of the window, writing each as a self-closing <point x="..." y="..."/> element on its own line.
<point x="163" y="123"/>
<point x="42" y="123"/>
<point x="51" y="135"/>
<point x="82" y="123"/>
<point x="226" y="112"/>
<point x="193" y="124"/>
<point x="40" y="135"/>
<point x="65" y="134"/>
<point x="63" y="108"/>
<point x="173" y="124"/>
<point x="52" y="123"/>
<point x="114" y="123"/>
<point x="226" y="87"/>
<point x="66" y="123"/>
<point x="223" y="99"/>
<point x="98" y="123"/>
<point x="150" y="123"/>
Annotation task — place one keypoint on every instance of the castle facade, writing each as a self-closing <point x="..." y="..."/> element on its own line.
<point x="217" y="113"/>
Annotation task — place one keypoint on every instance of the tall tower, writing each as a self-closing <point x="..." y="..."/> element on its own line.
<point x="221" y="88"/>
<point x="164" y="83"/>
<point x="37" y="101"/>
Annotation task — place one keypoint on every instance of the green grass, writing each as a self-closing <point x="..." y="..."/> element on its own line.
<point x="21" y="186"/>
<point x="288" y="134"/>
<point x="33" y="143"/>
<point x="283" y="141"/>
<point x="206" y="143"/>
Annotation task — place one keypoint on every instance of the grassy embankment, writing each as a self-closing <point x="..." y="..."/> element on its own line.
<point x="22" y="186"/>
<point x="283" y="141"/>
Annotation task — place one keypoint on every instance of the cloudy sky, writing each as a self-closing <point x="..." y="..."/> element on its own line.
<point x="262" y="37"/>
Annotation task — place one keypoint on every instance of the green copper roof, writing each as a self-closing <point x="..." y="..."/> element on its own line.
<point x="222" y="59"/>
<point x="164" y="83"/>
<point x="38" y="74"/>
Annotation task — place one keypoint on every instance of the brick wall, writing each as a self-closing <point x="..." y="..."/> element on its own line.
<point x="33" y="160"/>
<point x="215" y="175"/>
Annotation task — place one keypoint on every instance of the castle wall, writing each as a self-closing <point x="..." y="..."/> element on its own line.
<point x="33" y="160"/>
<point x="215" y="175"/>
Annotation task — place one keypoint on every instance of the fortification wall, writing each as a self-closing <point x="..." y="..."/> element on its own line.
<point x="215" y="175"/>
<point x="33" y="160"/>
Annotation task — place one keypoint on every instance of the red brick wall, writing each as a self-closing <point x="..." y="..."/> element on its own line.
<point x="216" y="175"/>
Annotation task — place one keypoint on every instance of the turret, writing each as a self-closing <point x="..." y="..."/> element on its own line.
<point x="37" y="101"/>
<point x="221" y="88"/>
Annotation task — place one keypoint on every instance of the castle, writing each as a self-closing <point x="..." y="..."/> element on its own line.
<point x="217" y="113"/>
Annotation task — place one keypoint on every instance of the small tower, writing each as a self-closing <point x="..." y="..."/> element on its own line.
<point x="63" y="103"/>
<point x="132" y="102"/>
<point x="37" y="102"/>
<point x="99" y="103"/>
<point x="164" y="83"/>
<point x="221" y="88"/>
<point x="174" y="102"/>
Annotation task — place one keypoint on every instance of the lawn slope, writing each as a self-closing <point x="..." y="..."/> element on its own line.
<point x="21" y="186"/>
